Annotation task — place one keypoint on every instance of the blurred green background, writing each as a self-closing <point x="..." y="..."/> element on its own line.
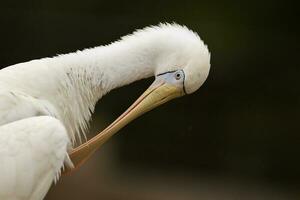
<point x="236" y="138"/>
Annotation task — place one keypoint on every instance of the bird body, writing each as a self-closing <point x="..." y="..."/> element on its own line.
<point x="46" y="104"/>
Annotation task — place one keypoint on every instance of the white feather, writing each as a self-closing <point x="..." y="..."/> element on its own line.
<point x="66" y="88"/>
<point x="32" y="152"/>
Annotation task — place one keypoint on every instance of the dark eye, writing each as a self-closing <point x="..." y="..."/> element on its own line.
<point x="178" y="75"/>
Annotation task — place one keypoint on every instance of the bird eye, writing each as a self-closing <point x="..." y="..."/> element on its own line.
<point x="178" y="75"/>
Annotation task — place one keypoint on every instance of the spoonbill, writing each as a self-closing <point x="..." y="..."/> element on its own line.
<point x="46" y="104"/>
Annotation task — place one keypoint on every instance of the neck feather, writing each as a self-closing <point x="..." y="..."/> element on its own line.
<point x="91" y="73"/>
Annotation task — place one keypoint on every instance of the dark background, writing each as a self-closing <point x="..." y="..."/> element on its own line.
<point x="236" y="138"/>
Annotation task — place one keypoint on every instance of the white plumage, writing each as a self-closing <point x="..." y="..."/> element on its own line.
<point x="46" y="104"/>
<point x="32" y="152"/>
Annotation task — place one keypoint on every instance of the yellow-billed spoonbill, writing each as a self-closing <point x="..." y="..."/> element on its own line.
<point x="46" y="104"/>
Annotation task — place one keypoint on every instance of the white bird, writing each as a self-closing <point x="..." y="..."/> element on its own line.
<point x="46" y="104"/>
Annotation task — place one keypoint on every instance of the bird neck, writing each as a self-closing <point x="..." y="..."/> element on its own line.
<point x="104" y="68"/>
<point x="91" y="73"/>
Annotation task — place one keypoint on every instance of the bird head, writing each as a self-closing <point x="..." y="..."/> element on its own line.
<point x="181" y="66"/>
<point x="183" y="57"/>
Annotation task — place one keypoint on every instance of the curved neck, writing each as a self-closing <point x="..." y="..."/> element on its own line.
<point x="109" y="67"/>
<point x="85" y="76"/>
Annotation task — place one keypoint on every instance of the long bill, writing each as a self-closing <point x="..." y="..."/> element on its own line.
<point x="158" y="93"/>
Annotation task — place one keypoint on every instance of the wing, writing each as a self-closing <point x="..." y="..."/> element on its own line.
<point x="15" y="106"/>
<point x="32" y="153"/>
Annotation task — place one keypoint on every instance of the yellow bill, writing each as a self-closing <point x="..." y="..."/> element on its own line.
<point x="158" y="93"/>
